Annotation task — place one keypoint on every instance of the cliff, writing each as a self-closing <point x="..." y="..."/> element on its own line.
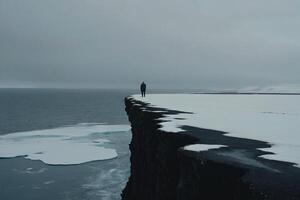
<point x="161" y="169"/>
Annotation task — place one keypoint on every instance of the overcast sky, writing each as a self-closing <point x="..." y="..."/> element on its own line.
<point x="167" y="43"/>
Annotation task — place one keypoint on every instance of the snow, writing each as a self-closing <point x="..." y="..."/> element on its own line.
<point x="201" y="147"/>
<point x="271" y="118"/>
<point x="61" y="146"/>
<point x="290" y="88"/>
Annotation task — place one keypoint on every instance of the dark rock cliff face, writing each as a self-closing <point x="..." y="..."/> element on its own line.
<point x="154" y="159"/>
<point x="161" y="170"/>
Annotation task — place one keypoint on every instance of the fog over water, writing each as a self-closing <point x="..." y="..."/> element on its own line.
<point x="167" y="43"/>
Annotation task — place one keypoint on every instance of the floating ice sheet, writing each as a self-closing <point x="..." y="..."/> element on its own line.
<point x="61" y="146"/>
<point x="271" y="118"/>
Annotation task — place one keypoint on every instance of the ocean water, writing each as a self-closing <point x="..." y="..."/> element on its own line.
<point x="63" y="144"/>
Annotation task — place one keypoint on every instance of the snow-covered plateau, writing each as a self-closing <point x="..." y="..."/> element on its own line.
<point x="271" y="118"/>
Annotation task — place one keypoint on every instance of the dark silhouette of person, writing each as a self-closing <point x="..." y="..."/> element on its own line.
<point x="143" y="89"/>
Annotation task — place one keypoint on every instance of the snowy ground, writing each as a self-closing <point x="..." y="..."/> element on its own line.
<point x="272" y="89"/>
<point x="271" y="118"/>
<point x="62" y="146"/>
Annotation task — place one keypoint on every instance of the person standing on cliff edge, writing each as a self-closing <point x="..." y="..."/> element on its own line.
<point x="143" y="89"/>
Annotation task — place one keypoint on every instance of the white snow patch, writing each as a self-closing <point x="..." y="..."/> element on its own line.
<point x="202" y="147"/>
<point x="271" y="118"/>
<point x="61" y="146"/>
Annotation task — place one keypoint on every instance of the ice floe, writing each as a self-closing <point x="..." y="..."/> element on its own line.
<point x="62" y="146"/>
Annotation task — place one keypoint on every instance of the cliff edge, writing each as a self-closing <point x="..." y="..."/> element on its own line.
<point x="196" y="163"/>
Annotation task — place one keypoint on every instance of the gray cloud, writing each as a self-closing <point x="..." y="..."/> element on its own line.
<point x="168" y="43"/>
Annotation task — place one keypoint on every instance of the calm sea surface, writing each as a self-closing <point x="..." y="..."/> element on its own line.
<point x="42" y="109"/>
